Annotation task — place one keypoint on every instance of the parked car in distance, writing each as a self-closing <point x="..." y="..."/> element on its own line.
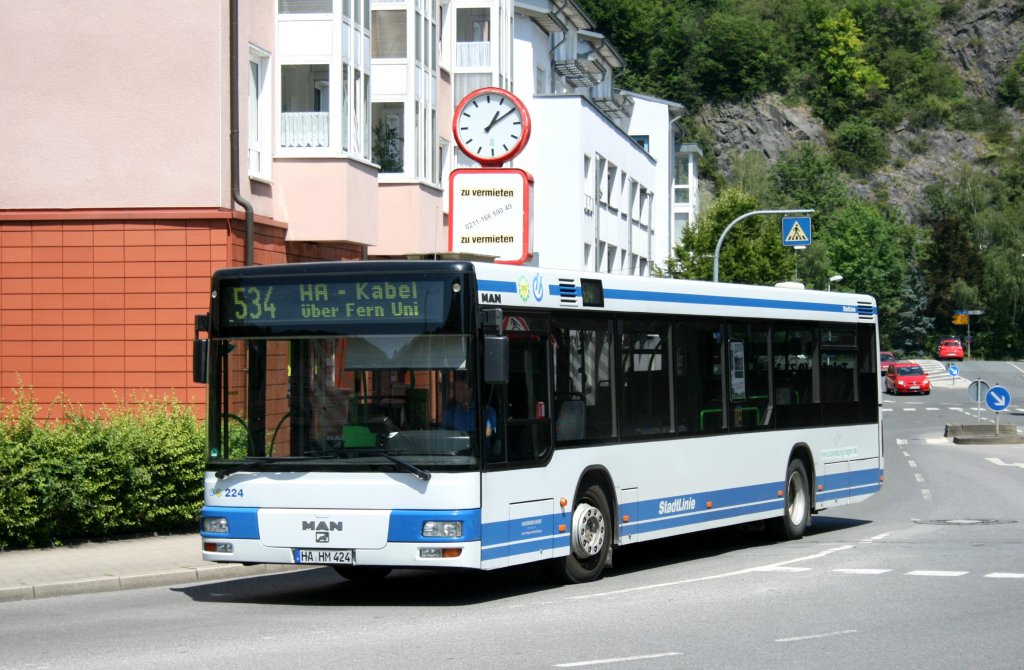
<point x="950" y="348"/>
<point x="907" y="377"/>
<point x="885" y="359"/>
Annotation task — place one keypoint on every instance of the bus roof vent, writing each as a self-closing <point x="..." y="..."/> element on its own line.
<point x="866" y="311"/>
<point x="569" y="292"/>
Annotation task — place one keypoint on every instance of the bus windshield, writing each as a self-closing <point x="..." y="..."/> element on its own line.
<point x="344" y="401"/>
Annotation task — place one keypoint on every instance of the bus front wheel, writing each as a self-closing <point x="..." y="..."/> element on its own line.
<point x="796" y="511"/>
<point x="590" y="541"/>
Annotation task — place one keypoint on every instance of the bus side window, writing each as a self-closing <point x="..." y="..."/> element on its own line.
<point x="529" y="400"/>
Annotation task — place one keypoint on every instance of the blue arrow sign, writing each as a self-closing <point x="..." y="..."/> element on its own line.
<point x="954" y="371"/>
<point x="997" y="398"/>
<point x="796" y="231"/>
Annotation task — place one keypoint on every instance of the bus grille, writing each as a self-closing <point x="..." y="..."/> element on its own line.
<point x="865" y="310"/>
<point x="569" y="292"/>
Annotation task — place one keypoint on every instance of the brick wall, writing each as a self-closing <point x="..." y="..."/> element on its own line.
<point x="101" y="312"/>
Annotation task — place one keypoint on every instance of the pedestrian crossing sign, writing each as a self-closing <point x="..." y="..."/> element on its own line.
<point x="796" y="231"/>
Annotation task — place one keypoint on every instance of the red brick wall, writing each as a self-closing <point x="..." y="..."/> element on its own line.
<point x="101" y="312"/>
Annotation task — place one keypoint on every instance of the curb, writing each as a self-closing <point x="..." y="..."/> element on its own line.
<point x="141" y="581"/>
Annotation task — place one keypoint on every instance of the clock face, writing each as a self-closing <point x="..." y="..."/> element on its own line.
<point x="491" y="126"/>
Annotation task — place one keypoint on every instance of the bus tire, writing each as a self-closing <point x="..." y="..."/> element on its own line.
<point x="796" y="509"/>
<point x="362" y="573"/>
<point x="590" y="539"/>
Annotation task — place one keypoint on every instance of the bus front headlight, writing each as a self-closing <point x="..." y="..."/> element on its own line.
<point x="215" y="524"/>
<point x="442" y="529"/>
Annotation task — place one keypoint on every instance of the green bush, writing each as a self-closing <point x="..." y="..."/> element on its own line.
<point x="123" y="471"/>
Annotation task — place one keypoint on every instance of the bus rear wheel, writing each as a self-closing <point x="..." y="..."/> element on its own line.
<point x="796" y="511"/>
<point x="590" y="539"/>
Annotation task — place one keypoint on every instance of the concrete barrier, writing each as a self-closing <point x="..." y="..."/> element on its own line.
<point x="984" y="433"/>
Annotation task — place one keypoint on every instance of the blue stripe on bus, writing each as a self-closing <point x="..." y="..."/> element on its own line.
<point x="500" y="540"/>
<point x="406" y="525"/>
<point x="496" y="286"/>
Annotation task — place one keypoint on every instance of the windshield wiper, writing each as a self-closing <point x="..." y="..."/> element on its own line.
<point x="255" y="465"/>
<point x="405" y="465"/>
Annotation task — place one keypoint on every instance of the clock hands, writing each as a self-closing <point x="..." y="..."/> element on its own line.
<point x="498" y="116"/>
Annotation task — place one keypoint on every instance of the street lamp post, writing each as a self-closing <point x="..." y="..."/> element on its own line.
<point x="832" y="279"/>
<point x="718" y="247"/>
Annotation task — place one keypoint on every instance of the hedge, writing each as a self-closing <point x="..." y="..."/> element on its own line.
<point x="124" y="471"/>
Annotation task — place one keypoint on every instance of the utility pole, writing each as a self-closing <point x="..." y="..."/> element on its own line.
<point x="718" y="247"/>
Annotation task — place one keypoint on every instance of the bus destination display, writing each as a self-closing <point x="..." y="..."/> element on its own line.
<point x="290" y="302"/>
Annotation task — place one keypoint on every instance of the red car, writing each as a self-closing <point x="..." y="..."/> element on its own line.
<point x="885" y="360"/>
<point x="950" y="348"/>
<point x="906" y="377"/>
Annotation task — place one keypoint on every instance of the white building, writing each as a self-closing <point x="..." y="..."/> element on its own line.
<point x="614" y="183"/>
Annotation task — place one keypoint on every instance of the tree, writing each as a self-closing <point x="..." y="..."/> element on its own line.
<point x="751" y="253"/>
<point x="849" y="81"/>
<point x="913" y="328"/>
<point x="870" y="249"/>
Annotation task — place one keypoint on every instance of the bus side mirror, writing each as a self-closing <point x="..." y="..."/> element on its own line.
<point x="495" y="359"/>
<point x="200" y="349"/>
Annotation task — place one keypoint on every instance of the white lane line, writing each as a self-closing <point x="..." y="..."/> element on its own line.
<point x="901" y="442"/>
<point x="780" y="568"/>
<point x="926" y="494"/>
<point x="1005" y="575"/>
<point x="862" y="571"/>
<point x="873" y="538"/>
<point x="936" y="573"/>
<point x="722" y="575"/>
<point x="919" y="477"/>
<point x="816" y="637"/>
<point x="912" y="463"/>
<point x="622" y="659"/>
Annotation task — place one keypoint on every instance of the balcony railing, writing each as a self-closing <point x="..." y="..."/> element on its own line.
<point x="473" y="54"/>
<point x="305" y="129"/>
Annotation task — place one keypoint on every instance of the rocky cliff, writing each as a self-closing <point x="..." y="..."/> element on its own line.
<point x="980" y="43"/>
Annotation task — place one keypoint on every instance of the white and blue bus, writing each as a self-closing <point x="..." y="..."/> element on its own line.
<point x="374" y="415"/>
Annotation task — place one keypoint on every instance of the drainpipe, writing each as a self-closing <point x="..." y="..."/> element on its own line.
<point x="236" y="191"/>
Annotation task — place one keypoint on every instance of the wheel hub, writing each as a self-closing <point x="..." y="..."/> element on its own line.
<point x="588" y="530"/>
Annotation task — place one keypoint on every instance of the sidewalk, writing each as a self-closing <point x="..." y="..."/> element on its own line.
<point x="113" y="566"/>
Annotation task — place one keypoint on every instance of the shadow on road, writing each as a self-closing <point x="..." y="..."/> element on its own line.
<point x="425" y="588"/>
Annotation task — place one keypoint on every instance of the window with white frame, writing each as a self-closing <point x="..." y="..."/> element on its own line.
<point x="611" y="186"/>
<point x="388" y="36"/>
<point x="259" y="114"/>
<point x="305" y="110"/>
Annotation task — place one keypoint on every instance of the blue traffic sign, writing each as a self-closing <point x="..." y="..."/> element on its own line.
<point x="796" y="231"/>
<point x="997" y="399"/>
<point x="954" y="371"/>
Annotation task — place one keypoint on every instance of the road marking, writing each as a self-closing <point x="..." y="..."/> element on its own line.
<point x="622" y="659"/>
<point x="912" y="464"/>
<point x="722" y="575"/>
<point x="816" y="637"/>
<point x="1005" y="575"/>
<point x="932" y="409"/>
<point x="999" y="461"/>
<point x="881" y="536"/>
<point x="936" y="573"/>
<point x="901" y="441"/>
<point x="780" y="568"/>
<point x="926" y="494"/>
<point x="909" y="409"/>
<point x="862" y="571"/>
<point x="919" y="477"/>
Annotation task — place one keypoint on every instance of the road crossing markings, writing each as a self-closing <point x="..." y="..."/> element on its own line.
<point x="881" y="536"/>
<point x="936" y="573"/>
<point x="801" y="638"/>
<point x="622" y="659"/>
<point x="648" y="587"/>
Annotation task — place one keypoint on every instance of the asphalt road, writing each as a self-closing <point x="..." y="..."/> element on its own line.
<point x="927" y="574"/>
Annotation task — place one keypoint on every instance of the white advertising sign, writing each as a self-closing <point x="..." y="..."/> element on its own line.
<point x="490" y="213"/>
